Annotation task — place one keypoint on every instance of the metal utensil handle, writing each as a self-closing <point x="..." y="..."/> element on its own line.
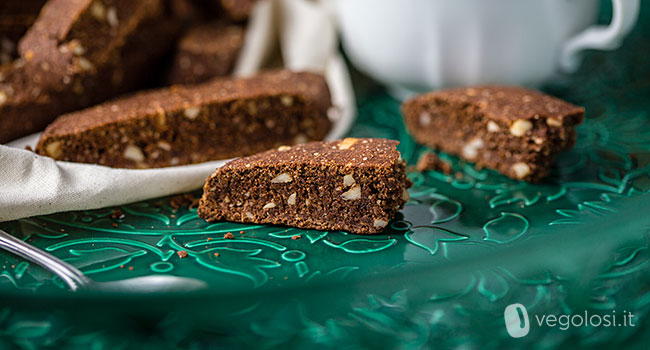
<point x="68" y="273"/>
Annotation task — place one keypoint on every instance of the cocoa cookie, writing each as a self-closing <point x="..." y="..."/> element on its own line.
<point x="206" y="51"/>
<point x="513" y="130"/>
<point x="237" y="10"/>
<point x="356" y="185"/>
<point x="79" y="53"/>
<point x="431" y="161"/>
<point x="15" y="17"/>
<point x="220" y="119"/>
<point x="24" y="106"/>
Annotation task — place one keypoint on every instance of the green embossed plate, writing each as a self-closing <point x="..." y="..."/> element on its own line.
<point x="464" y="247"/>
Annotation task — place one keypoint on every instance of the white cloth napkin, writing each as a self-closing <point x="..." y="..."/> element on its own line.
<point x="300" y="32"/>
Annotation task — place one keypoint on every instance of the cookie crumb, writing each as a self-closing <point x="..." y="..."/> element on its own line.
<point x="114" y="225"/>
<point x="131" y="268"/>
<point x="209" y="239"/>
<point x="182" y="254"/>
<point x="228" y="236"/>
<point x="295" y="237"/>
<point x="216" y="254"/>
<point x="29" y="148"/>
<point x="117" y="214"/>
<point x="183" y="200"/>
<point x="431" y="161"/>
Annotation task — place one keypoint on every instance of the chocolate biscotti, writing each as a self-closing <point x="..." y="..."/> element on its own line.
<point x="82" y="52"/>
<point x="516" y="131"/>
<point x="16" y="16"/>
<point x="206" y="51"/>
<point x="220" y="119"/>
<point x="356" y="185"/>
<point x="237" y="10"/>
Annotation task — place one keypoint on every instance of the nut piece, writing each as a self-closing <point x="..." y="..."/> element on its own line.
<point x="286" y="100"/>
<point x="493" y="127"/>
<point x="249" y="215"/>
<point x="269" y="205"/>
<point x="292" y="199"/>
<point x="133" y="153"/>
<point x="352" y="194"/>
<point x="347" y="142"/>
<point x="425" y="119"/>
<point x="98" y="10"/>
<point x="84" y="64"/>
<point x="3" y="98"/>
<point x="470" y="150"/>
<point x="76" y="47"/>
<point x="521" y="169"/>
<point x="161" y="120"/>
<point x="282" y="178"/>
<point x="554" y="122"/>
<point x="283" y="148"/>
<point x="111" y="17"/>
<point x="405" y="195"/>
<point x="54" y="150"/>
<point x="164" y="145"/>
<point x="348" y="180"/>
<point x="300" y="139"/>
<point x="380" y="223"/>
<point x="192" y="112"/>
<point x="520" y="127"/>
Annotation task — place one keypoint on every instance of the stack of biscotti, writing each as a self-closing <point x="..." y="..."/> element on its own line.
<point x="220" y="119"/>
<point x="206" y="51"/>
<point x="516" y="131"/>
<point x="80" y="52"/>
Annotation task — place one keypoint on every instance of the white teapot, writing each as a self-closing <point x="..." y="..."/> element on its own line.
<point x="420" y="45"/>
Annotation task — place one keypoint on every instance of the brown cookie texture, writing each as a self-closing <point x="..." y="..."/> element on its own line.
<point x="516" y="131"/>
<point x="81" y="52"/>
<point x="431" y="161"/>
<point x="206" y="51"/>
<point x="220" y="119"/>
<point x="237" y="10"/>
<point x="355" y="185"/>
<point x="16" y="16"/>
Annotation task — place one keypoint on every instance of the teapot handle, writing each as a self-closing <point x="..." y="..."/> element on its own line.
<point x="599" y="37"/>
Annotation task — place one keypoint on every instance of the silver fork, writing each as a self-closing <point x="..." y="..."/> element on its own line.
<point x="76" y="280"/>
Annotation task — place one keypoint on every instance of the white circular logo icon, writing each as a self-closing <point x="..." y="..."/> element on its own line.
<point x="516" y="317"/>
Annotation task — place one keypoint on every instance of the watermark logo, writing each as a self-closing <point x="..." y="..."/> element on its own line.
<point x="518" y="323"/>
<point x="516" y="317"/>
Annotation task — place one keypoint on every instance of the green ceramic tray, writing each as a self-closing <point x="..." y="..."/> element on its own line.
<point x="466" y="246"/>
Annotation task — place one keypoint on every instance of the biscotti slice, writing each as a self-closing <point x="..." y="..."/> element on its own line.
<point x="82" y="52"/>
<point x="237" y="10"/>
<point x="206" y="51"/>
<point x="72" y="39"/>
<point x="16" y="16"/>
<point x="28" y="103"/>
<point x="24" y="106"/>
<point x="516" y="131"/>
<point x="355" y="185"/>
<point x="221" y="119"/>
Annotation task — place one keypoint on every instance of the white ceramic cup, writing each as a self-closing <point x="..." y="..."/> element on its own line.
<point x="421" y="45"/>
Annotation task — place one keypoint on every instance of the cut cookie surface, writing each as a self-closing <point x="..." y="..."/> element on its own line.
<point x="516" y="131"/>
<point x="355" y="185"/>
